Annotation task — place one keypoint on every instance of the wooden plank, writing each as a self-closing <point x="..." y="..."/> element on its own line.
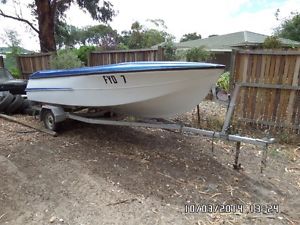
<point x="296" y="112"/>
<point x="260" y="92"/>
<point x="237" y="72"/>
<point x="246" y="76"/>
<point x="241" y="76"/>
<point x="277" y="94"/>
<point x="283" y="93"/>
<point x="291" y="100"/>
<point x="270" y="93"/>
<point x="253" y="91"/>
<point x="265" y="92"/>
<point x="237" y="77"/>
<point x="15" y="120"/>
<point x="280" y="95"/>
<point x="233" y="68"/>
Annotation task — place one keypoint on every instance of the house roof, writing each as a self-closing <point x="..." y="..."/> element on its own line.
<point x="232" y="40"/>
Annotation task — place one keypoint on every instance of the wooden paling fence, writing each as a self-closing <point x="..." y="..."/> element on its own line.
<point x="270" y="88"/>
<point x="111" y="57"/>
<point x="30" y="63"/>
<point x="1" y="62"/>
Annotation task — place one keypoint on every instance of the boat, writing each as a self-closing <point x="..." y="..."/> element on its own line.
<point x="143" y="89"/>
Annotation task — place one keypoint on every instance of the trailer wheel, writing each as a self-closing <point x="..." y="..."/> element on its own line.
<point x="49" y="120"/>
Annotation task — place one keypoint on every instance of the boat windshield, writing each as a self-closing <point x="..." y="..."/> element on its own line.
<point x="5" y="75"/>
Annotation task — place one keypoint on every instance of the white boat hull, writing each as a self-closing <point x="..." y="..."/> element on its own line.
<point x="146" y="94"/>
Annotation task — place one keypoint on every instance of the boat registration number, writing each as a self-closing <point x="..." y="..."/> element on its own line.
<point x="114" y="79"/>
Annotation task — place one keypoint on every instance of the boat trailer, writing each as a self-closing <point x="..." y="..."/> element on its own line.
<point x="52" y="115"/>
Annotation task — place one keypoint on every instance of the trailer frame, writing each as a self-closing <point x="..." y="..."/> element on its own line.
<point x="52" y="115"/>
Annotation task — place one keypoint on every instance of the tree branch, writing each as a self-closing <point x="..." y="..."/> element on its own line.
<point x="19" y="19"/>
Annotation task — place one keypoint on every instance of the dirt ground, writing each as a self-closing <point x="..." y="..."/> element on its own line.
<point x="118" y="175"/>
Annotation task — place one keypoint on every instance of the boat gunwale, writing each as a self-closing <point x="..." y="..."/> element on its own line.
<point x="53" y="75"/>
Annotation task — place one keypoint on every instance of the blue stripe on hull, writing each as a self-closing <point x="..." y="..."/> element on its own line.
<point x="48" y="89"/>
<point x="126" y="68"/>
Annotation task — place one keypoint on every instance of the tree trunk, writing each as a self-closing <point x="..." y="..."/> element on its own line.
<point x="46" y="16"/>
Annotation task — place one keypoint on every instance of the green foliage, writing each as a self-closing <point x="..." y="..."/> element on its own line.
<point x="289" y="27"/>
<point x="65" y="59"/>
<point x="223" y="81"/>
<point x="158" y="23"/>
<point x="190" y="37"/>
<point x="198" y="55"/>
<point x="10" y="61"/>
<point x="100" y="35"/>
<point x="134" y="38"/>
<point x="169" y="51"/>
<point x="102" y="13"/>
<point x="142" y="37"/>
<point x="272" y="42"/>
<point x="122" y="46"/>
<point x="67" y="35"/>
<point x="83" y="52"/>
<point x="153" y="37"/>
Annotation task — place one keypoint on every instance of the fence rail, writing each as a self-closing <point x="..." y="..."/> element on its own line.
<point x="270" y="88"/>
<point x="111" y="57"/>
<point x="31" y="63"/>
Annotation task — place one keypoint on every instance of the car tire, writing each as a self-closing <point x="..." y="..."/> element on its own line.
<point x="15" y="105"/>
<point x="25" y="105"/>
<point x="6" y="101"/>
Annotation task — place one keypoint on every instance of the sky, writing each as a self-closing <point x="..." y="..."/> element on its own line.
<point x="205" y="17"/>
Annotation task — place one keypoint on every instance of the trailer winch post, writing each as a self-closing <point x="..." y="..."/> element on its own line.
<point x="237" y="165"/>
<point x="264" y="157"/>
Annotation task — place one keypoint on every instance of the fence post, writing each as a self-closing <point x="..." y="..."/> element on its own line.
<point x="1" y="62"/>
<point x="89" y="56"/>
<point x="232" y="70"/>
<point x="160" y="53"/>
<point x="19" y="67"/>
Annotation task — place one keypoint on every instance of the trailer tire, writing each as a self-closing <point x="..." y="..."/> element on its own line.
<point x="15" y="105"/>
<point x="49" y="120"/>
<point x="6" y="101"/>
